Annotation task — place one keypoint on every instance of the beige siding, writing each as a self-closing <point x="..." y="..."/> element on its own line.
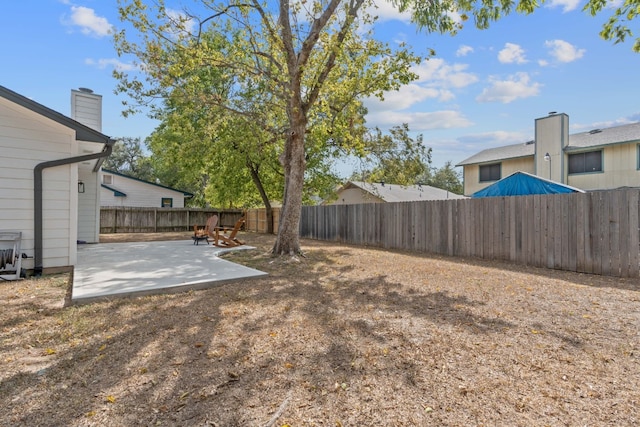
<point x="552" y="134"/>
<point x="620" y="169"/>
<point x="138" y="194"/>
<point x="472" y="173"/>
<point x="27" y="139"/>
<point x="352" y="196"/>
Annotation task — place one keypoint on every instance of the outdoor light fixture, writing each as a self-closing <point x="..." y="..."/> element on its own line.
<point x="547" y="158"/>
<point x="80" y="187"/>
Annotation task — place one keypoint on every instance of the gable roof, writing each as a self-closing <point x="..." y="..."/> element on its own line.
<point x="501" y="153"/>
<point x="111" y="188"/>
<point x="577" y="141"/>
<point x="600" y="137"/>
<point x="83" y="133"/>
<point x="402" y="193"/>
<point x="524" y="184"/>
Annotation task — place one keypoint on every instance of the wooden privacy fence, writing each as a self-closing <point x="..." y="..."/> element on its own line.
<point x="593" y="232"/>
<point x="119" y="219"/>
<point x="257" y="220"/>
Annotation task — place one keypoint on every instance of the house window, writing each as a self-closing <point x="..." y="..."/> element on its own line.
<point x="107" y="179"/>
<point x="167" y="202"/>
<point x="490" y="172"/>
<point x="591" y="161"/>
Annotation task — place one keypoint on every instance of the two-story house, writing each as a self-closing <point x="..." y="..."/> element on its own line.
<point x="595" y="160"/>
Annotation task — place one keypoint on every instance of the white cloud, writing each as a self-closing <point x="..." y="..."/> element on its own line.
<point x="418" y="121"/>
<point x="89" y="22"/>
<point x="105" y="63"/>
<point x="493" y="139"/>
<point x="512" y="53"/>
<point x="515" y="87"/>
<point x="438" y="72"/>
<point x="388" y="12"/>
<point x="582" y="127"/>
<point x="563" y="51"/>
<point x="464" y="50"/>
<point x="566" y="5"/>
<point x="403" y="98"/>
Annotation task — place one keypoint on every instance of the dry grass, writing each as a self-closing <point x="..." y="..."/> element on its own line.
<point x="347" y="336"/>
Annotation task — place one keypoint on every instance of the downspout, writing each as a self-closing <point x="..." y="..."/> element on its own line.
<point x="37" y="195"/>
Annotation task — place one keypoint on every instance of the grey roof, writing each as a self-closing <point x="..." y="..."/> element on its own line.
<point x="83" y="133"/>
<point x="577" y="141"/>
<point x="403" y="193"/>
<point x="599" y="137"/>
<point x="500" y="153"/>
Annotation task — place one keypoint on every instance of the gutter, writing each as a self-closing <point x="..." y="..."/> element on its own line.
<point x="37" y="194"/>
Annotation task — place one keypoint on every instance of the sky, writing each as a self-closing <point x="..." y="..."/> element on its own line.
<point x="482" y="89"/>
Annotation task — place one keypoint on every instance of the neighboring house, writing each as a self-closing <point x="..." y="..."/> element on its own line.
<point x="49" y="176"/>
<point x="524" y="184"/>
<point x="354" y="192"/>
<point x="122" y="190"/>
<point x="594" y="160"/>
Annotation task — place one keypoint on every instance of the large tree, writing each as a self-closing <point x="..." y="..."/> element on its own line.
<point x="232" y="159"/>
<point x="294" y="67"/>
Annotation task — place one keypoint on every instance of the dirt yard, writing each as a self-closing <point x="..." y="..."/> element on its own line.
<point x="345" y="336"/>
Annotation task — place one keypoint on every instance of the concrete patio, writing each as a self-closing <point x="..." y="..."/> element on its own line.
<point x="108" y="270"/>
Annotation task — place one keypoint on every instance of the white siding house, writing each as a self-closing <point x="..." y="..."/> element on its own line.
<point x="47" y="159"/>
<point x="121" y="190"/>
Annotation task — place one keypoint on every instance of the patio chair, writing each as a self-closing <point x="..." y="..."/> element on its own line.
<point x="226" y="237"/>
<point x="200" y="234"/>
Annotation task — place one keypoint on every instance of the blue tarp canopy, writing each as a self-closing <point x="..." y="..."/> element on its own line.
<point x="524" y="184"/>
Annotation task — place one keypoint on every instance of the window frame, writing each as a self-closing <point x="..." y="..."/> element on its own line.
<point x="162" y="202"/>
<point x="585" y="163"/>
<point x="491" y="177"/>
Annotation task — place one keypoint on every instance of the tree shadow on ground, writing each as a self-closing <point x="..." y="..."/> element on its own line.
<point x="217" y="354"/>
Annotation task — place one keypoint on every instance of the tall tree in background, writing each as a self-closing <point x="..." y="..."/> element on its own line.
<point x="128" y="157"/>
<point x="395" y="157"/>
<point x="446" y="178"/>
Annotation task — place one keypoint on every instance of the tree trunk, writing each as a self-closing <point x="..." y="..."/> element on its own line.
<point x="293" y="160"/>
<point x="255" y="176"/>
